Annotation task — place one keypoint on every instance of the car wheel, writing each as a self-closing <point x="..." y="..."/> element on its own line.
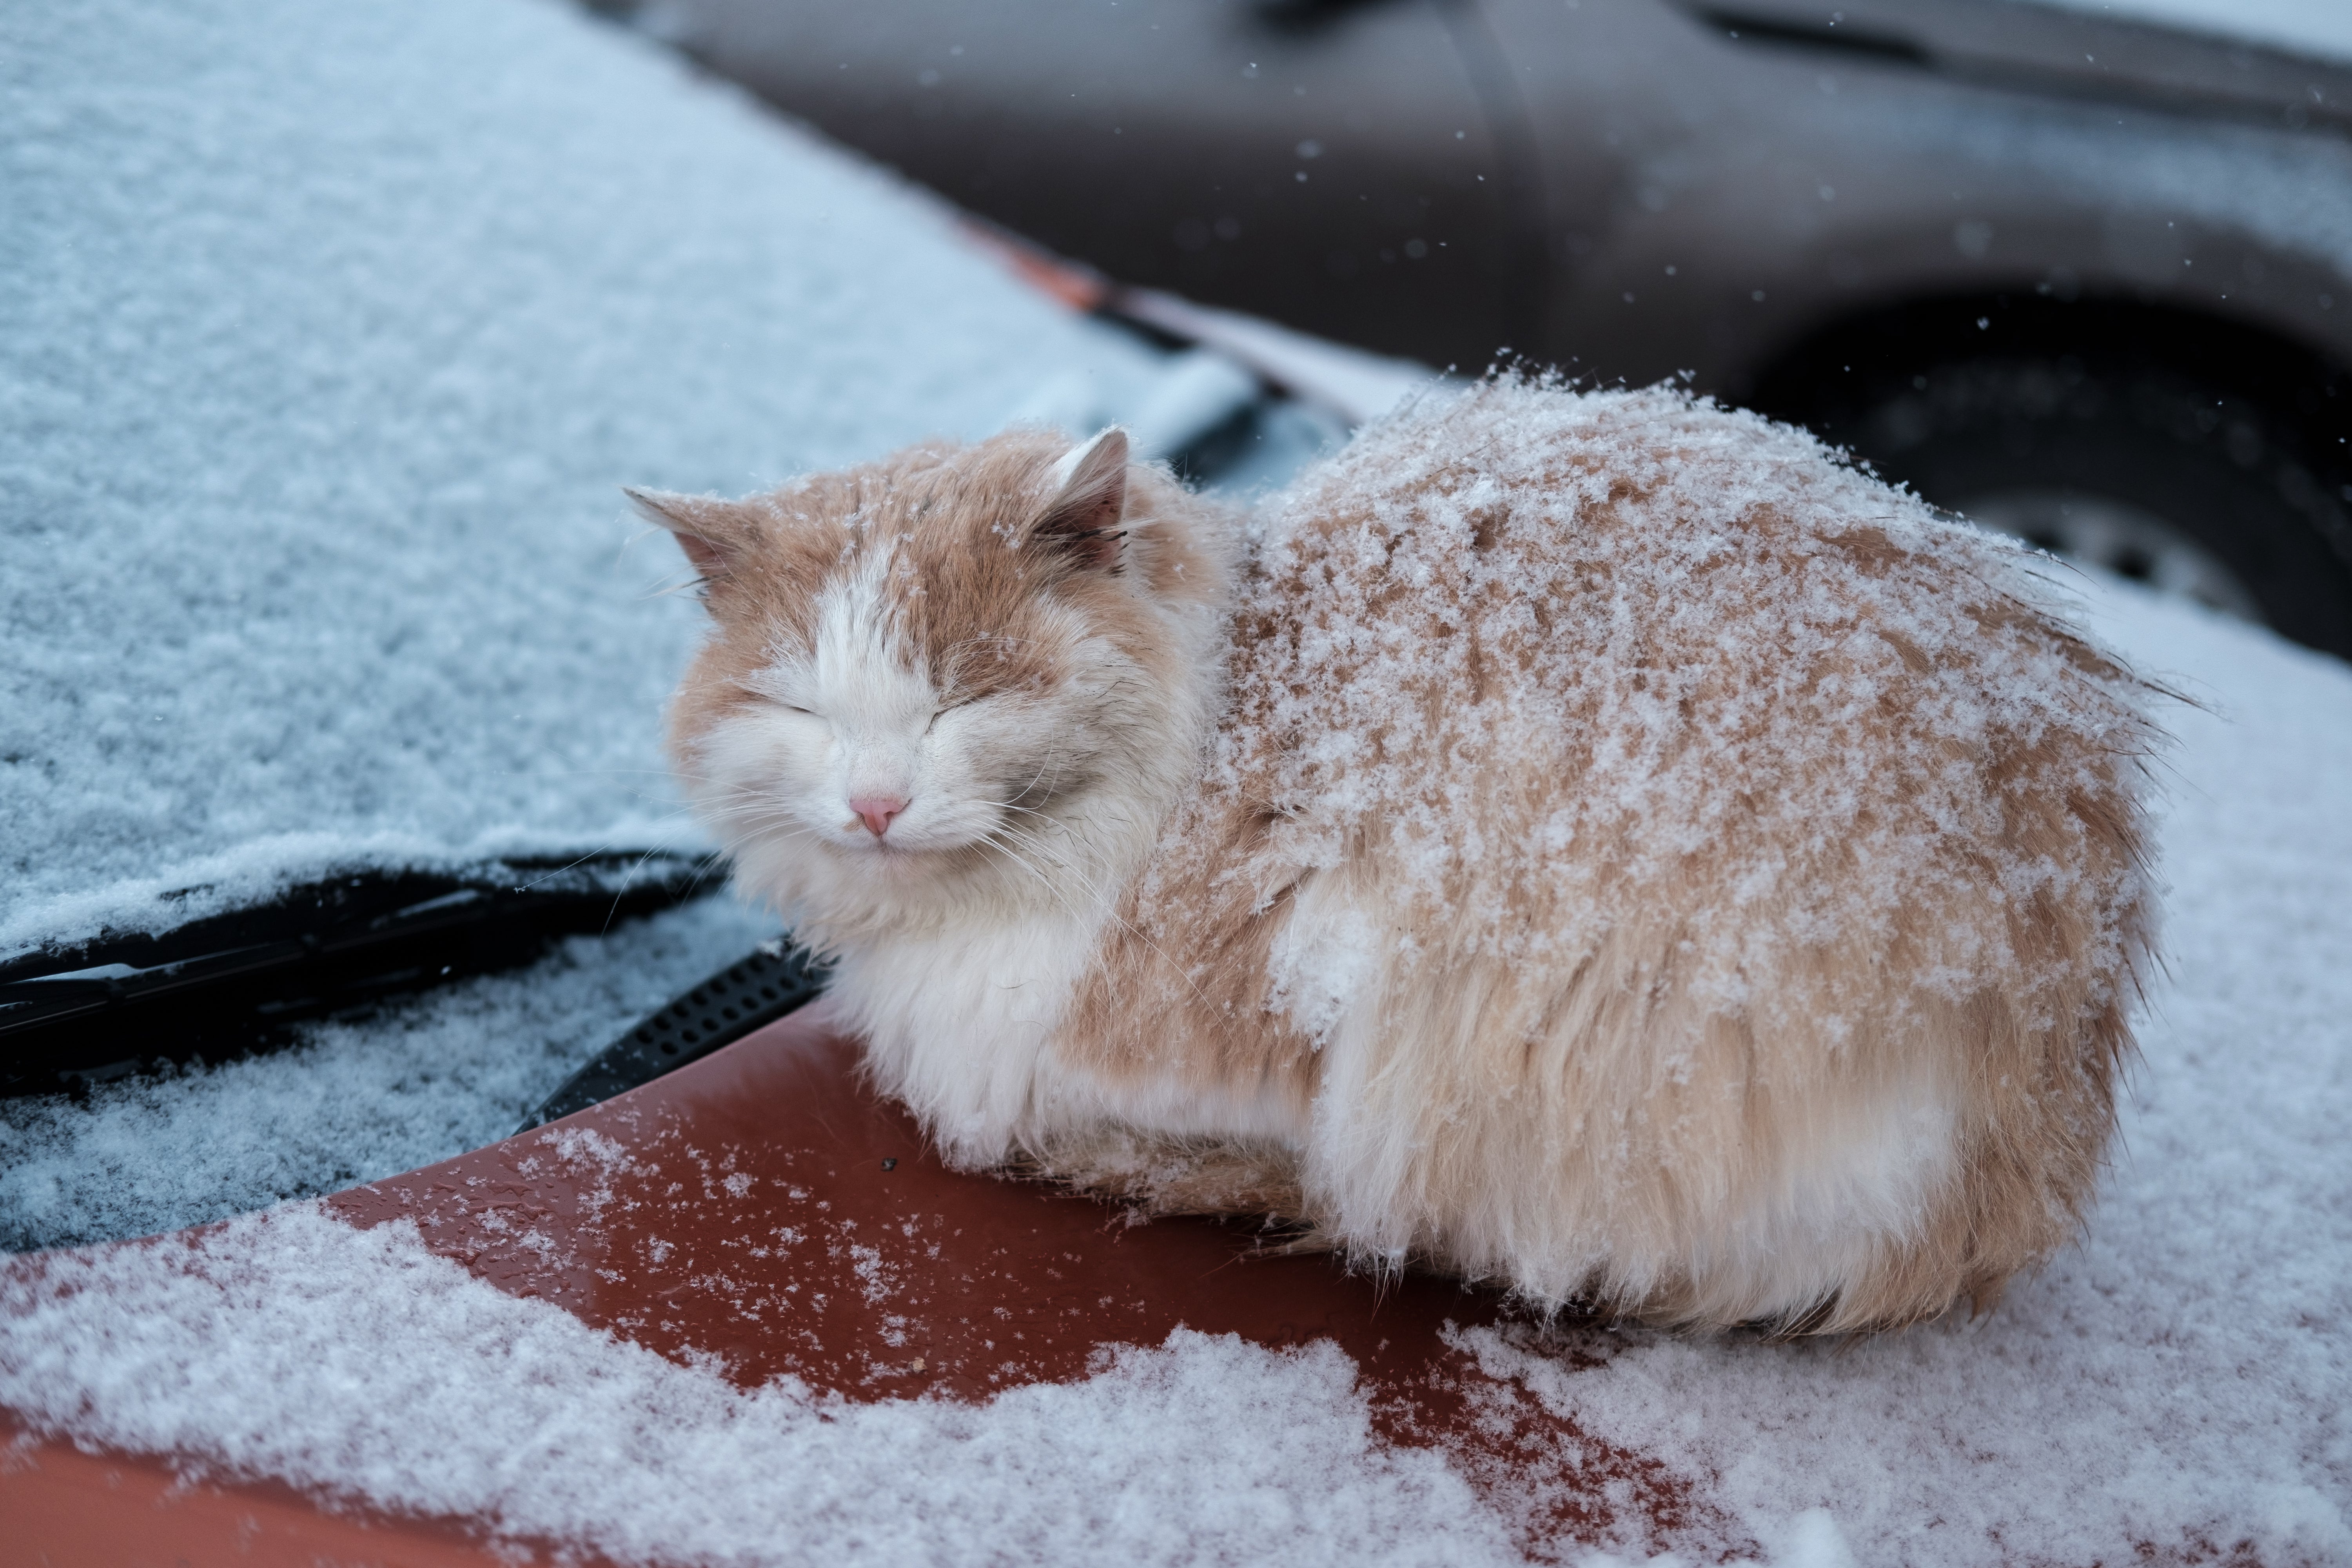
<point x="2186" y="485"/>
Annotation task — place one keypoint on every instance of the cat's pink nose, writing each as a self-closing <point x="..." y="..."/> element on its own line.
<point x="877" y="810"/>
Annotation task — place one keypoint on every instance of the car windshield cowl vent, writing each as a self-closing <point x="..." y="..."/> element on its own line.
<point x="778" y="978"/>
<point x="2055" y="53"/>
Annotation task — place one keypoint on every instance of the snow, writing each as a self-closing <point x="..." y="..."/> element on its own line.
<point x="257" y="1348"/>
<point x="356" y="1101"/>
<point x="329" y="335"/>
<point x="2178" y="1379"/>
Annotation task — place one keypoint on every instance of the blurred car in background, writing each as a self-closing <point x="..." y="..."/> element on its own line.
<point x="2085" y="280"/>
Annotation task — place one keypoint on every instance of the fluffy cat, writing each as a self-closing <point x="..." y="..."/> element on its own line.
<point x="1597" y="844"/>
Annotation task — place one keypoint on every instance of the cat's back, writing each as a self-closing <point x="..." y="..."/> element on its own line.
<point x="1658" y="864"/>
<point x="1546" y="650"/>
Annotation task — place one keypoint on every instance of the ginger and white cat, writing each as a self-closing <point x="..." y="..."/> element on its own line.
<point x="1593" y="843"/>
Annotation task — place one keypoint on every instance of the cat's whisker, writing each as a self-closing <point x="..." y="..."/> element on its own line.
<point x="647" y="853"/>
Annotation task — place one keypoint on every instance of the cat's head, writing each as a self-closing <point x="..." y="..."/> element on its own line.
<point x="959" y="672"/>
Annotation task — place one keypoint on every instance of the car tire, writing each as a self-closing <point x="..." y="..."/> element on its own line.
<point x="2160" y="475"/>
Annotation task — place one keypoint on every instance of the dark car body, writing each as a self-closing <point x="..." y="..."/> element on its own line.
<point x="2070" y="273"/>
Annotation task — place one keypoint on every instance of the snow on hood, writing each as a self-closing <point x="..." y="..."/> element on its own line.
<point x="327" y="335"/>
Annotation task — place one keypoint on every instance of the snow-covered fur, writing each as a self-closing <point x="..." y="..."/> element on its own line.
<point x="1595" y="843"/>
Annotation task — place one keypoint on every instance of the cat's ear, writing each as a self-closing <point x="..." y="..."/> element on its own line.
<point x="1090" y="502"/>
<point x="709" y="530"/>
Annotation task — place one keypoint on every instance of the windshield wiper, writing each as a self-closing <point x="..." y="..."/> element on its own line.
<point x="232" y="985"/>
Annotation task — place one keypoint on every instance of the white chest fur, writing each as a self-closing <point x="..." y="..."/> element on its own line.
<point x="962" y="1026"/>
<point x="958" y="1024"/>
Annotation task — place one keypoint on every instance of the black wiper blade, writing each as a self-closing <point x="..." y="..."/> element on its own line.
<point x="231" y="984"/>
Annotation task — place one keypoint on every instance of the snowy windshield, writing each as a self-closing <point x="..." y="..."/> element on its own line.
<point x="321" y="401"/>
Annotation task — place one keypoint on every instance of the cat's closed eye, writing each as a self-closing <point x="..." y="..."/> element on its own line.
<point x="944" y="709"/>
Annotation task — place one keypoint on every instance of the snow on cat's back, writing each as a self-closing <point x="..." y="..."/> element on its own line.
<point x="1594" y="842"/>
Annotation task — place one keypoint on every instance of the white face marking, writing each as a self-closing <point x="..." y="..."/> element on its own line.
<point x="851" y="720"/>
